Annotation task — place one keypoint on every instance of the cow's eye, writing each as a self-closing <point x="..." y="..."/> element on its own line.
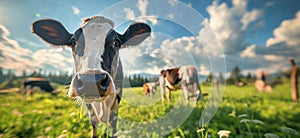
<point x="72" y="43"/>
<point x="116" y="43"/>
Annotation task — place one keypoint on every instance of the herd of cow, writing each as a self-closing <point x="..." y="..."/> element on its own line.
<point x="98" y="78"/>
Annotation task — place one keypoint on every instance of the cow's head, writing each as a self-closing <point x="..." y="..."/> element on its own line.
<point x="171" y="77"/>
<point x="95" y="47"/>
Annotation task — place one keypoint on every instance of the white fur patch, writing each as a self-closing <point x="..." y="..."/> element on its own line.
<point x="95" y="32"/>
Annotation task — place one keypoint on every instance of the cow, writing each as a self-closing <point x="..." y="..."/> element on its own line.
<point x="98" y="70"/>
<point x="260" y="82"/>
<point x="41" y="83"/>
<point x="187" y="76"/>
<point x="150" y="88"/>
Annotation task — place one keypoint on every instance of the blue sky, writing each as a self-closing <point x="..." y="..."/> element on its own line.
<point x="250" y="34"/>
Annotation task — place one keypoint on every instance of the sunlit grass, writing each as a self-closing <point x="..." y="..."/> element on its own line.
<point x="47" y="115"/>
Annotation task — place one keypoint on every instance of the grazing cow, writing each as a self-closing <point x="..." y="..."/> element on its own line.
<point x="150" y="88"/>
<point x="95" y="48"/>
<point x="260" y="82"/>
<point x="40" y="83"/>
<point x="189" y="82"/>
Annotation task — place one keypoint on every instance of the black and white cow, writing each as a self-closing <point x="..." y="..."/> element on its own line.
<point x="188" y="77"/>
<point x="95" y="48"/>
<point x="41" y="83"/>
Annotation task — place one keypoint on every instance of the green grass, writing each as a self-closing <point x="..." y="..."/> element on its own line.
<point x="243" y="111"/>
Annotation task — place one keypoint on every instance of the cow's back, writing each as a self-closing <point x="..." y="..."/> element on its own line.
<point x="188" y="74"/>
<point x="43" y="85"/>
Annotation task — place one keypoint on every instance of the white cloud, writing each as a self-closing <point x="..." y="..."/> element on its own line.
<point x="250" y="17"/>
<point x="142" y="7"/>
<point x="288" y="32"/>
<point x="12" y="55"/>
<point x="172" y="2"/>
<point x="274" y="58"/>
<point x="57" y="58"/>
<point x="171" y="16"/>
<point x="229" y="23"/>
<point x="204" y="70"/>
<point x="15" y="57"/>
<point x="249" y="51"/>
<point x="75" y="10"/>
<point x="129" y="14"/>
<point x="270" y="3"/>
<point x="239" y="6"/>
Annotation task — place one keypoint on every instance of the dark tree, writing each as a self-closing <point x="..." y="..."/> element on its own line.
<point x="221" y="78"/>
<point x="235" y="75"/>
<point x="1" y="71"/>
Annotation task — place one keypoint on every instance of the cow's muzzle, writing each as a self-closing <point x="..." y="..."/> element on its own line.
<point x="92" y="84"/>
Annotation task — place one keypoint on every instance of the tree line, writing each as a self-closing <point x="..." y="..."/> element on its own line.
<point x="9" y="79"/>
<point x="137" y="80"/>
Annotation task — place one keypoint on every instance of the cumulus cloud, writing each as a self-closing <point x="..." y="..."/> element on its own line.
<point x="204" y="70"/>
<point x="129" y="14"/>
<point x="249" y="51"/>
<point x="15" y="57"/>
<point x="250" y="17"/>
<point x="55" y="58"/>
<point x="172" y="2"/>
<point x="274" y="57"/>
<point x="75" y="10"/>
<point x="230" y="23"/>
<point x="12" y="55"/>
<point x="227" y="24"/>
<point x="288" y="32"/>
<point x="142" y="7"/>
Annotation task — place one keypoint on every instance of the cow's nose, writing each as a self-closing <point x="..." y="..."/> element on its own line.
<point x="86" y="84"/>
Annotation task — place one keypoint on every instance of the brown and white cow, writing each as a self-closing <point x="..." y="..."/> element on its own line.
<point x="95" y="48"/>
<point x="186" y="75"/>
<point x="150" y="87"/>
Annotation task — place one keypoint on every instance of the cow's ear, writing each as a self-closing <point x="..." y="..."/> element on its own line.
<point x="135" y="34"/>
<point x="51" y="31"/>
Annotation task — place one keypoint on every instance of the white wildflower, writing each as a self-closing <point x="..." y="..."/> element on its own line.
<point x="255" y="121"/>
<point x="271" y="135"/>
<point x="242" y="115"/>
<point x="245" y="121"/>
<point x="289" y="130"/>
<point x="224" y="133"/>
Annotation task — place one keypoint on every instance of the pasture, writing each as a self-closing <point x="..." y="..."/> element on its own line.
<point x="243" y="111"/>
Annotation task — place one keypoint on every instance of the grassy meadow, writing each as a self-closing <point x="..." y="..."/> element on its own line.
<point x="243" y="111"/>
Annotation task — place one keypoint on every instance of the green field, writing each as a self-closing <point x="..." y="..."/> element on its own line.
<point x="243" y="111"/>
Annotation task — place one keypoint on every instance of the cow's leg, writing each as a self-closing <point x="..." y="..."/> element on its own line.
<point x="185" y="90"/>
<point x="162" y="88"/>
<point x="196" y="92"/>
<point x="168" y="94"/>
<point x="153" y="91"/>
<point x="162" y="93"/>
<point x="93" y="120"/>
<point x="24" y="92"/>
<point x="113" y="123"/>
